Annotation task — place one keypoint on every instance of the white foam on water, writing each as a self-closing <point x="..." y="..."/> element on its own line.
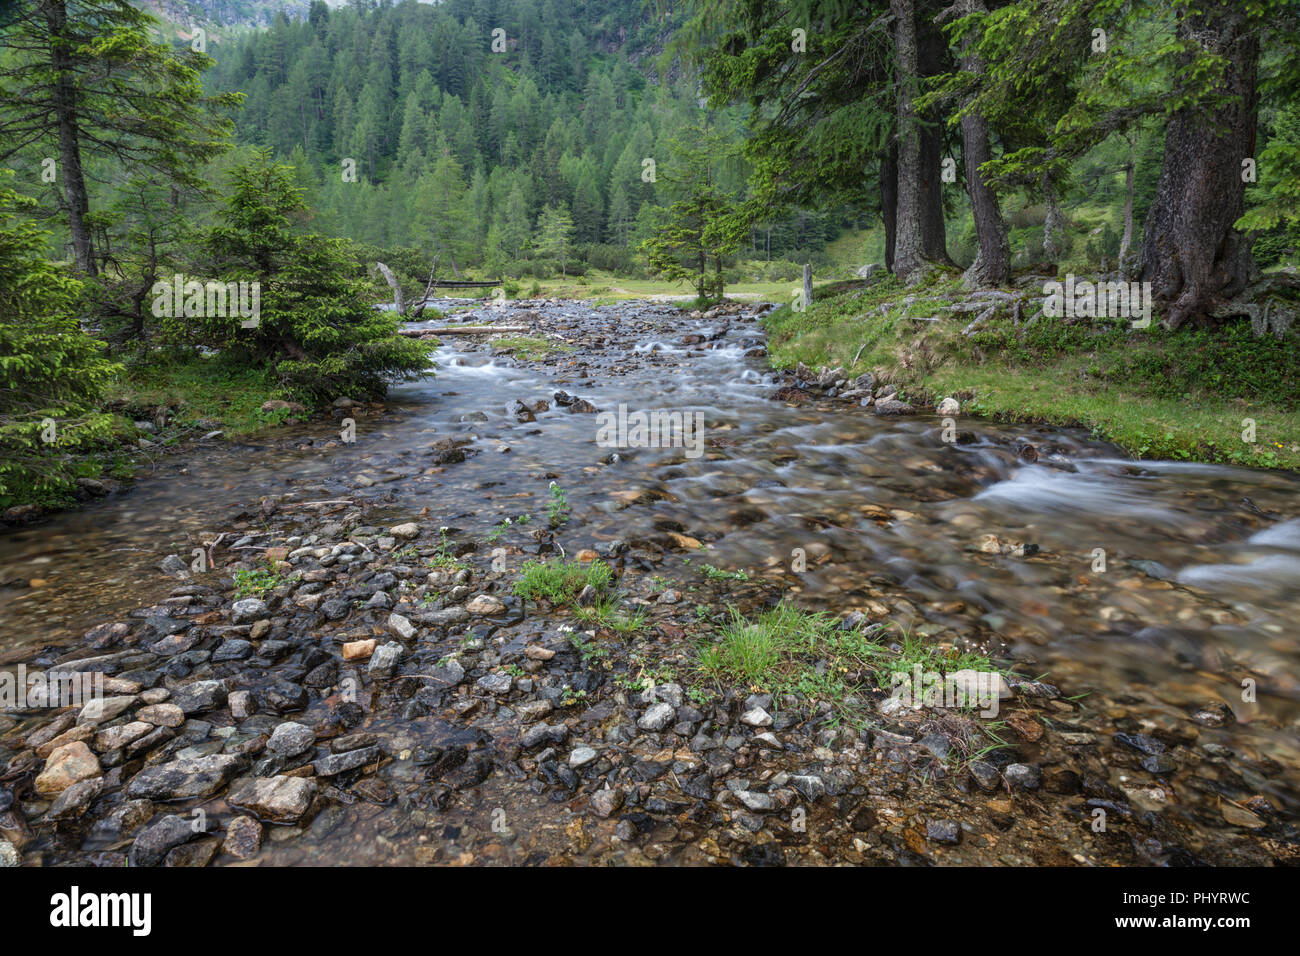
<point x="1285" y="535"/>
<point x="1051" y="492"/>
<point x="1274" y="571"/>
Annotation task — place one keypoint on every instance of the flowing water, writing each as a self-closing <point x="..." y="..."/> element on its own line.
<point x="1157" y="587"/>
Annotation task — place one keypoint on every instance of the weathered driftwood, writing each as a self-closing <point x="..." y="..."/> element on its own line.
<point x="398" y="299"/>
<point x="980" y="320"/>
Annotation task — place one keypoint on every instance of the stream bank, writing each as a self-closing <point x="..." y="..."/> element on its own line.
<point x="480" y="727"/>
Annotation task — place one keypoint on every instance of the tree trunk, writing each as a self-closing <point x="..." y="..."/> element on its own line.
<point x="65" y="96"/>
<point x="1191" y="254"/>
<point x="919" y="236"/>
<point x="992" y="265"/>
<point x="1126" y="240"/>
<point x="889" y="201"/>
<point x="909" y="253"/>
<point x="1054" y="223"/>
<point x="932" y="50"/>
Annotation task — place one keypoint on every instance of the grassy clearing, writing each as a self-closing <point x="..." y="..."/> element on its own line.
<point x="196" y="389"/>
<point x="529" y="349"/>
<point x="1188" y="395"/>
<point x="785" y="650"/>
<point x="607" y="288"/>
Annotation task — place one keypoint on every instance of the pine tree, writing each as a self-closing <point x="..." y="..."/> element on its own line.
<point x="701" y="228"/>
<point x="554" y="234"/>
<point x="51" y="373"/>
<point x="85" y="78"/>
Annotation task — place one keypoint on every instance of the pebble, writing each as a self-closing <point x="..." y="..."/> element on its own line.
<point x="243" y="838"/>
<point x="657" y="717"/>
<point x="1023" y="775"/>
<point x="605" y="803"/>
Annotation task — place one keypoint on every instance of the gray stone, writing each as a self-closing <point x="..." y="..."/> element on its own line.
<point x="159" y="837"/>
<point x="942" y="831"/>
<point x="291" y="739"/>
<point x="384" y="662"/>
<point x="248" y="610"/>
<point x="200" y="695"/>
<point x="1023" y="775"/>
<point x="279" y="799"/>
<point x="657" y="716"/>
<point x="184" y="777"/>
<point x="400" y="626"/>
<point x="335" y="764"/>
<point x="497" y="683"/>
<point x="243" y="838"/>
<point x="758" y="802"/>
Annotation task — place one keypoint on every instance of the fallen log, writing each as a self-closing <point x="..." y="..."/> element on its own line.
<point x="463" y="330"/>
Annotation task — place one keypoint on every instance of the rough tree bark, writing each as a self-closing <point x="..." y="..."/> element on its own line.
<point x="1054" y="223"/>
<point x="992" y="265"/>
<point x="1126" y="241"/>
<point x="932" y="53"/>
<point x="889" y="201"/>
<point x="1191" y="254"/>
<point x="65" y="95"/>
<point x="919" y="232"/>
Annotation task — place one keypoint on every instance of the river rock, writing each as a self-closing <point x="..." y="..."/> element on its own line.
<point x="278" y="799"/>
<point x="893" y="407"/>
<point x="184" y="777"/>
<point x="335" y="764"/>
<point x="67" y="765"/>
<point x="290" y="739"/>
<point x="243" y="838"/>
<point x="248" y="610"/>
<point x="604" y="803"/>
<point x="657" y="717"/>
<point x="497" y="683"/>
<point x="401" y="626"/>
<point x="485" y="605"/>
<point x="386" y="659"/>
<point x="161" y="715"/>
<point x="200" y="695"/>
<point x="157" y="839"/>
<point x="1023" y="775"/>
<point x="73" y="801"/>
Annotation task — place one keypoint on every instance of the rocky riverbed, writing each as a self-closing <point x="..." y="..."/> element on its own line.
<point x="351" y="676"/>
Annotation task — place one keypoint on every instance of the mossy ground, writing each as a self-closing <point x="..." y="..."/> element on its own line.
<point x="1186" y="395"/>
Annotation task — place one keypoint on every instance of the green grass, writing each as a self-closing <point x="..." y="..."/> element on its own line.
<point x="1183" y="395"/>
<point x="717" y="574"/>
<point x="256" y="582"/>
<point x="442" y="558"/>
<point x="785" y="650"/>
<point x="198" y="388"/>
<point x="605" y="612"/>
<point x="530" y="349"/>
<point x="560" y="582"/>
